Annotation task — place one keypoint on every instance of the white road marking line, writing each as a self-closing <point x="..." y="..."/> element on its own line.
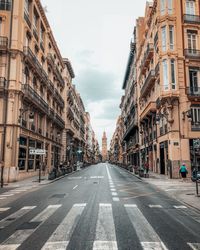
<point x="115" y="199"/>
<point x="61" y="236"/>
<point x="194" y="246"/>
<point x="130" y="205"/>
<point x="2" y="198"/>
<point x="19" y="236"/>
<point x="3" y="209"/>
<point x="105" y="245"/>
<point x="104" y="205"/>
<point x="9" y="219"/>
<point x="96" y="177"/>
<point x="75" y="187"/>
<point x="6" y="195"/>
<point x="146" y="234"/>
<point x="109" y="176"/>
<point x="114" y="194"/>
<point x="180" y="207"/>
<point x="105" y="229"/>
<point x="113" y="189"/>
<point x="155" y="206"/>
<point x="75" y="178"/>
<point x="153" y="245"/>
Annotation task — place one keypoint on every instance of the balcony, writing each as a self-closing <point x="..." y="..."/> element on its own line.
<point x="50" y="86"/>
<point x="195" y="126"/>
<point x="147" y="57"/>
<point x="193" y="92"/>
<point x="147" y="110"/>
<point x="59" y="98"/>
<point x="35" y="33"/>
<point x="70" y="98"/>
<point x="59" y="76"/>
<point x="31" y="95"/>
<point x="191" y="19"/>
<point x="70" y="114"/>
<point x="51" y="113"/>
<point x="35" y="64"/>
<point x="148" y="83"/>
<point x="59" y="121"/>
<point x="27" y="19"/>
<point x="192" y="54"/>
<point x="3" y="43"/>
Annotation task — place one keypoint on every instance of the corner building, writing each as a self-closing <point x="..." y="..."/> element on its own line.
<point x="161" y="104"/>
<point x="32" y="90"/>
<point x="168" y="73"/>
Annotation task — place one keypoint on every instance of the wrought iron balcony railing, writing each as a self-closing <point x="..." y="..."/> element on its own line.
<point x="31" y="95"/>
<point x="191" y="19"/>
<point x="195" y="126"/>
<point x="59" y="76"/>
<point x="148" y="83"/>
<point x="59" y="121"/>
<point x="193" y="91"/>
<point x="192" y="53"/>
<point x="3" y="43"/>
<point x="59" y="98"/>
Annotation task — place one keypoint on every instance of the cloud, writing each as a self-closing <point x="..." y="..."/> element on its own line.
<point x="95" y="85"/>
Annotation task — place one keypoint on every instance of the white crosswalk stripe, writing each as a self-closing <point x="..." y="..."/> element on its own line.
<point x="194" y="246"/>
<point x="17" y="238"/>
<point x="61" y="236"/>
<point x="105" y="237"/>
<point x="9" y="219"/>
<point x="146" y="234"/>
<point x="3" y="209"/>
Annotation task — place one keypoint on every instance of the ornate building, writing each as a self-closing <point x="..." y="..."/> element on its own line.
<point x="104" y="147"/>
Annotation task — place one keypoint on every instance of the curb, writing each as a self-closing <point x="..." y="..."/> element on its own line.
<point x="130" y="172"/>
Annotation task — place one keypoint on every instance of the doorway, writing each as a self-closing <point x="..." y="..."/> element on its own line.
<point x="162" y="158"/>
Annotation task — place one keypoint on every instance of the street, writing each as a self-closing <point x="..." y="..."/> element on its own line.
<point x="100" y="207"/>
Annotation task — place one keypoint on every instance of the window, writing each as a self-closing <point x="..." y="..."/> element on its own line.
<point x="170" y="6"/>
<point x="165" y="75"/>
<point x="195" y="112"/>
<point x="5" y="4"/>
<point x="27" y="7"/>
<point x="35" y="20"/>
<point x="192" y="41"/>
<point x="164" y="38"/>
<point x="193" y="74"/>
<point x="190" y="7"/>
<point x="171" y="37"/>
<point x="26" y="76"/>
<point x="173" y="74"/>
<point x="162" y="7"/>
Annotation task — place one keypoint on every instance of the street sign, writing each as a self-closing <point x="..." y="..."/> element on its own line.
<point x="37" y="151"/>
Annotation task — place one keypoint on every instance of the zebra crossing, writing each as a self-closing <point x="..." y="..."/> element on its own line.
<point x="15" y="191"/>
<point x="105" y="237"/>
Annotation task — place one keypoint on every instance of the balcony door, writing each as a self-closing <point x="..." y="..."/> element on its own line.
<point x="192" y="42"/>
<point x="194" y="88"/>
<point x="190" y="7"/>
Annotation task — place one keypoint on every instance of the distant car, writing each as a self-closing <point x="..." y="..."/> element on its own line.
<point x="195" y="175"/>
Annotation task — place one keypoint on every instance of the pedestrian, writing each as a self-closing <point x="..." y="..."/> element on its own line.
<point x="183" y="171"/>
<point x="146" y="166"/>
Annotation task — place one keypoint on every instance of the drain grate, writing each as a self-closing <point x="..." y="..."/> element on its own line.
<point x="58" y="196"/>
<point x="10" y="219"/>
<point x="191" y="194"/>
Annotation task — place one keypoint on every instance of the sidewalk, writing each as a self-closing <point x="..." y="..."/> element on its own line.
<point x="184" y="191"/>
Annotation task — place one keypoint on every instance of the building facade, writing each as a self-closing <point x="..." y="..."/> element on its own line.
<point x="163" y="78"/>
<point x="40" y="107"/>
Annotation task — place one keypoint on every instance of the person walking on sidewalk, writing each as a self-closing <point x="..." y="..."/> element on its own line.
<point x="183" y="171"/>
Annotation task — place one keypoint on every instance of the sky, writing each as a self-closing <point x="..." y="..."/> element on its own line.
<point x="95" y="35"/>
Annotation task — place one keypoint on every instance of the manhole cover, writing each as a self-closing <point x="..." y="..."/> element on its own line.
<point x="95" y="182"/>
<point x="58" y="196"/>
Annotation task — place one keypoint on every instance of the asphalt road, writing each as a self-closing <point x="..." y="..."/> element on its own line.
<point x="102" y="207"/>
